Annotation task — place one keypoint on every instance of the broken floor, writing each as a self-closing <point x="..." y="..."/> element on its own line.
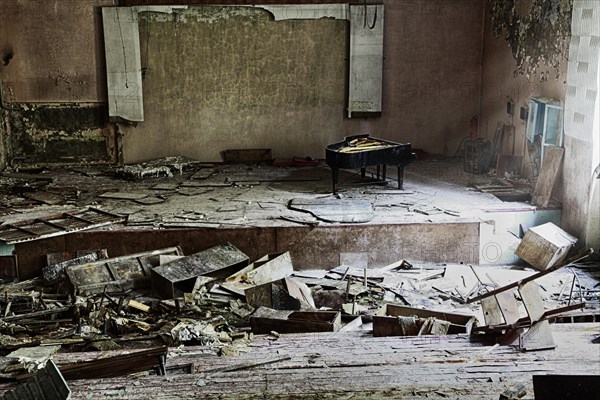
<point x="437" y="217"/>
<point x="352" y="365"/>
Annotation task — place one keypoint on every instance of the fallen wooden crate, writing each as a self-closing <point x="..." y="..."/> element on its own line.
<point x="180" y="275"/>
<point x="119" y="273"/>
<point x="266" y="320"/>
<point x="545" y="245"/>
<point x="269" y="268"/>
<point x="398" y="320"/>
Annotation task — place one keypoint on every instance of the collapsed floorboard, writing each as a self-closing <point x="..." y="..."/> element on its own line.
<point x="334" y="365"/>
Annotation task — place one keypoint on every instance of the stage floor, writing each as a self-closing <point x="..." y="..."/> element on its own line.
<point x="438" y="216"/>
<point x="252" y="195"/>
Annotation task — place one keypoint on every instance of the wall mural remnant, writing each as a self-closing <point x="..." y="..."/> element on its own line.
<point x="537" y="32"/>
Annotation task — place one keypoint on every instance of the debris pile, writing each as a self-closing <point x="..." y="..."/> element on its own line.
<point x="216" y="298"/>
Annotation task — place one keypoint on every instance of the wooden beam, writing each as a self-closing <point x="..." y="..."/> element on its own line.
<point x="494" y="292"/>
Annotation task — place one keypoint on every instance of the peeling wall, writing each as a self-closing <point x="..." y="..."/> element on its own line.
<point x="53" y="84"/>
<point x="58" y="133"/>
<point x="248" y="81"/>
<point x="537" y="32"/>
<point x="231" y="77"/>
<point x="508" y="78"/>
<point x="505" y="80"/>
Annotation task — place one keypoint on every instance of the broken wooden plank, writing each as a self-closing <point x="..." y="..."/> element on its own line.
<point x="537" y="337"/>
<point x="55" y="270"/>
<point x="45" y="197"/>
<point x="508" y="306"/>
<point x="549" y="173"/>
<point x="180" y="275"/>
<point x="491" y="311"/>
<point x="204" y="173"/>
<point x="283" y="294"/>
<point x="138" y="306"/>
<point x="353" y="325"/>
<point x="268" y="268"/>
<point x="37" y="314"/>
<point x="243" y="366"/>
<point x="124" y="195"/>
<point x="114" y="366"/>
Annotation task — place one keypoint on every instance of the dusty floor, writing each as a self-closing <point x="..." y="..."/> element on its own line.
<point x="354" y="365"/>
<point x="243" y="195"/>
<point x="333" y="365"/>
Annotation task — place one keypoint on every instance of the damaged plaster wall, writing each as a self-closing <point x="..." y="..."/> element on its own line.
<point x="525" y="58"/>
<point x="220" y="78"/>
<point x="232" y="77"/>
<point x="429" y="92"/>
<point x="431" y="73"/>
<point x="507" y="79"/>
<point x="60" y="133"/>
<point x="52" y="70"/>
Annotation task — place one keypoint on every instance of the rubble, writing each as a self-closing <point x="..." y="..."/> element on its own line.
<point x="136" y="310"/>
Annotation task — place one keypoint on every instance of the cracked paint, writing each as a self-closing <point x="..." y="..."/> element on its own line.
<point x="537" y="32"/>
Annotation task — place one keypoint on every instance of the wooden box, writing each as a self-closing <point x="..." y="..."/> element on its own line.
<point x="545" y="245"/>
<point x="266" y="320"/>
<point x="386" y="321"/>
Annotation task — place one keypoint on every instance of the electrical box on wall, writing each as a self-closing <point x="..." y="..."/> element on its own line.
<point x="523" y="113"/>
<point x="510" y="107"/>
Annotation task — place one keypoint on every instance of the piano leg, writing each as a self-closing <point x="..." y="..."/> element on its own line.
<point x="335" y="174"/>
<point x="378" y="171"/>
<point x="363" y="172"/>
<point x="384" y="171"/>
<point x="400" y="176"/>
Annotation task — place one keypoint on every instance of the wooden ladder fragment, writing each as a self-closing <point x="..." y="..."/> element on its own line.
<point x="500" y="310"/>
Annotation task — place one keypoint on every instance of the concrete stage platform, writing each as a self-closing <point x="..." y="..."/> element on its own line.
<point x="438" y="217"/>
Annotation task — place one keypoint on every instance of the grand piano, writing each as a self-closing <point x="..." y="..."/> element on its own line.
<point x="361" y="151"/>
